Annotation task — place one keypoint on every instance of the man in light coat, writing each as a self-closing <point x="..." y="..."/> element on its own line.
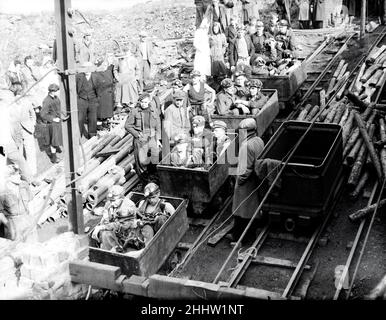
<point x="177" y="117"/>
<point x="319" y="14"/>
<point x="245" y="197"/>
<point x="146" y="55"/>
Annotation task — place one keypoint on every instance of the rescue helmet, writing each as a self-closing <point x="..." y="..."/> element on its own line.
<point x="151" y="189"/>
<point x="248" y="124"/>
<point x="115" y="191"/>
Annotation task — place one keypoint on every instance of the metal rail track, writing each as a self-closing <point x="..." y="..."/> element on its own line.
<point x="242" y="267"/>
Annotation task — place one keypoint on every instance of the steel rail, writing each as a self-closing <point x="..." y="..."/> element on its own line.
<point x="366" y="239"/>
<point x="310" y="246"/>
<point x="353" y="249"/>
<point x="362" y="224"/>
<point x="243" y="266"/>
<point x="189" y="254"/>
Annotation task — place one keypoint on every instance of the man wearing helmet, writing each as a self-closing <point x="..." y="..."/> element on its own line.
<point x="185" y="154"/>
<point x="255" y="100"/>
<point x="286" y="45"/>
<point x="245" y="197"/>
<point x="226" y="100"/>
<point x="202" y="138"/>
<point x="264" y="43"/>
<point x="153" y="211"/>
<point x="119" y="228"/>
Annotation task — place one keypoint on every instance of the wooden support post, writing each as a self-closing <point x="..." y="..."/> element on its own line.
<point x="68" y="98"/>
<point x="363" y="19"/>
<point x="369" y="145"/>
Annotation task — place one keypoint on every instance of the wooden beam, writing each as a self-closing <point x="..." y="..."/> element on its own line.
<point x="212" y="241"/>
<point x="363" y="19"/>
<point x="68" y="99"/>
<point x="274" y="262"/>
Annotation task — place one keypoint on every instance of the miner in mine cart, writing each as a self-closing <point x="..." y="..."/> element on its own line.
<point x="153" y="211"/>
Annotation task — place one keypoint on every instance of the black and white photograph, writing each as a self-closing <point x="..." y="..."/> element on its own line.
<point x="193" y="158"/>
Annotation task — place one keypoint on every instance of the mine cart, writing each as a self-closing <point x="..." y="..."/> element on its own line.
<point x="309" y="181"/>
<point x="263" y="119"/>
<point x="287" y="85"/>
<point x="199" y="185"/>
<point x="148" y="260"/>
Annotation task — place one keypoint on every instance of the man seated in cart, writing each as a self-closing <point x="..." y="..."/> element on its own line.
<point x="119" y="229"/>
<point x="153" y="211"/>
<point x="241" y="90"/>
<point x="221" y="141"/>
<point x="185" y="154"/>
<point x="227" y="102"/>
<point x="259" y="66"/>
<point x="286" y="44"/>
<point x="264" y="42"/>
<point x="202" y="138"/>
<point x="255" y="99"/>
<point x="177" y="117"/>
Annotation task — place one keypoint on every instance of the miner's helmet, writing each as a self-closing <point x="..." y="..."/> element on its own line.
<point x="130" y="209"/>
<point x="115" y="191"/>
<point x="151" y="190"/>
<point x="255" y="83"/>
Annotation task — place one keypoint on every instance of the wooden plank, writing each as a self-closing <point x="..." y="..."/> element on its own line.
<point x="198" y="222"/>
<point x="268" y="261"/>
<point x="95" y="274"/>
<point x="220" y="234"/>
<point x="184" y="246"/>
<point x="288" y="237"/>
<point x="306" y="284"/>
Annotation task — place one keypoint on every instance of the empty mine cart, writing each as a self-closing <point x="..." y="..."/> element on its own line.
<point x="310" y="181"/>
<point x="286" y="85"/>
<point x="263" y="119"/>
<point x="198" y="185"/>
<point x="147" y="261"/>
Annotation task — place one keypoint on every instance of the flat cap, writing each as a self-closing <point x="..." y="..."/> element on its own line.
<point x="179" y="95"/>
<point x="143" y="97"/>
<point x="53" y="87"/>
<point x="283" y="23"/>
<point x="143" y="33"/>
<point x="198" y="120"/>
<point x="149" y="86"/>
<point x="239" y="74"/>
<point x="219" y="124"/>
<point x="260" y="23"/>
<point x="255" y="83"/>
<point x="177" y="82"/>
<point x="195" y="73"/>
<point x="181" y="138"/>
<point x="226" y="83"/>
<point x="248" y="124"/>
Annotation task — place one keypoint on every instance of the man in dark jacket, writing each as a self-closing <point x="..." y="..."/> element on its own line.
<point x="241" y="50"/>
<point x="220" y="15"/>
<point x="264" y="43"/>
<point x="285" y="41"/>
<point x="88" y="101"/>
<point x="51" y="114"/>
<point x="245" y="198"/>
<point x="144" y="124"/>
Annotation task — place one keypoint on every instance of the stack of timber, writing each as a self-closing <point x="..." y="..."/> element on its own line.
<point x="353" y="107"/>
<point x="104" y="161"/>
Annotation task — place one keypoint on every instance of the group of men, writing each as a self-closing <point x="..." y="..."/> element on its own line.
<point x="125" y="226"/>
<point x="184" y="123"/>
